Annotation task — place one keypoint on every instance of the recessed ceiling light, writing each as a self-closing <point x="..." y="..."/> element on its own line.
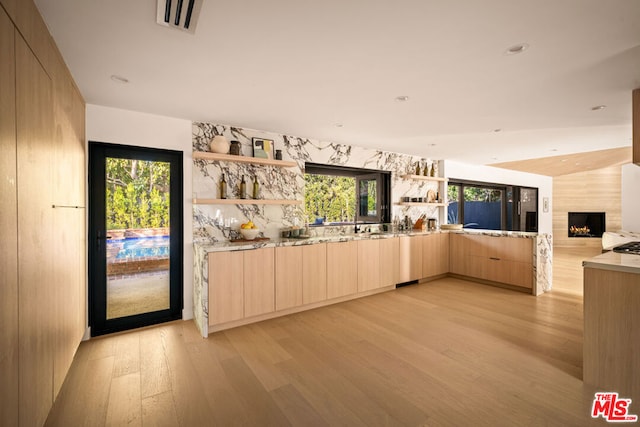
<point x="554" y="149"/>
<point x="119" y="79"/>
<point x="339" y="125"/>
<point x="516" y="49"/>
<point x="494" y="158"/>
<point x="432" y="145"/>
<point x="402" y="98"/>
<point x="497" y="130"/>
<point x="598" y="107"/>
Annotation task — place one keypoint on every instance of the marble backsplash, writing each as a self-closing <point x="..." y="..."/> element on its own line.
<point x="219" y="222"/>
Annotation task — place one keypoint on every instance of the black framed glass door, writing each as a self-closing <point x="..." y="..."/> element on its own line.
<point x="135" y="237"/>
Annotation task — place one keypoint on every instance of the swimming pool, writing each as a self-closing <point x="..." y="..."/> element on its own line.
<point x="139" y="247"/>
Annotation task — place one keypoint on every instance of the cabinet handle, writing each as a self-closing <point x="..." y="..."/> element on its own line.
<point x="494" y="258"/>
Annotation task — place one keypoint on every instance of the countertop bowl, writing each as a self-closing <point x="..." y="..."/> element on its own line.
<point x="249" y="233"/>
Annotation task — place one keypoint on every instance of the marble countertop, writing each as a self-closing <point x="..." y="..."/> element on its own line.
<point x="614" y="261"/>
<point x="240" y="246"/>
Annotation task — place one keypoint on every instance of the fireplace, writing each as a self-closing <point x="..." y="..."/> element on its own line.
<point x="586" y="224"/>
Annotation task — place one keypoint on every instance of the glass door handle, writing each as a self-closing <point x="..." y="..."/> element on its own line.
<point x="100" y="237"/>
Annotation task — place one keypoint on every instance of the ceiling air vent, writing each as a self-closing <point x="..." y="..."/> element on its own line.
<point x="180" y="14"/>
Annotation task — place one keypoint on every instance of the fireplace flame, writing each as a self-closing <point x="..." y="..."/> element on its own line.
<point x="579" y="230"/>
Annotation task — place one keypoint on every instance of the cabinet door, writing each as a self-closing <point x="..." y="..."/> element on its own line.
<point x="368" y="265"/>
<point x="389" y="261"/>
<point x="457" y="254"/>
<point x="410" y="258"/>
<point x="314" y="273"/>
<point x="431" y="254"/>
<point x="226" y="286"/>
<point x="288" y="277"/>
<point x="259" y="285"/>
<point x="443" y="267"/>
<point x="8" y="225"/>
<point x="39" y="290"/>
<point x="435" y="254"/>
<point x="342" y="269"/>
<point x="520" y="274"/>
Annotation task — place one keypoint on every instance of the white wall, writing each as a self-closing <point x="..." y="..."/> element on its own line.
<point x="112" y="125"/>
<point x="453" y="170"/>
<point x="631" y="197"/>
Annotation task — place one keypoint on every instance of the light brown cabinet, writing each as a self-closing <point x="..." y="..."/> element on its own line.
<point x="300" y="275"/>
<point x="435" y="254"/>
<point x="226" y="286"/>
<point x="389" y="261"/>
<point x="289" y="277"/>
<point x="241" y="284"/>
<point x="506" y="260"/>
<point x="259" y="281"/>
<point x="42" y="250"/>
<point x="368" y="265"/>
<point x="378" y="263"/>
<point x="314" y="273"/>
<point x="342" y="269"/>
<point x="410" y="258"/>
<point x="8" y="224"/>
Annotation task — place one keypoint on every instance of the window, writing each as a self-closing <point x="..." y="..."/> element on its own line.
<point x="492" y="206"/>
<point x="339" y="194"/>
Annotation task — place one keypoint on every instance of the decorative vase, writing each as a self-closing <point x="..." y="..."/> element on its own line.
<point x="219" y="144"/>
<point x="235" y="148"/>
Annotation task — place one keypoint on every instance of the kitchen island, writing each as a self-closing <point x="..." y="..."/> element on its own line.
<point x="611" y="352"/>
<point x="282" y="276"/>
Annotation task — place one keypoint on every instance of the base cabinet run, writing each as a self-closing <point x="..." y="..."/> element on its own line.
<point x="378" y="263"/>
<point x="507" y="260"/>
<point x="241" y="284"/>
<point x="256" y="284"/>
<point x="300" y="275"/>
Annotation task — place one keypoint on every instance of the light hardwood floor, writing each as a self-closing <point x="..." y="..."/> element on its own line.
<point x="567" y="267"/>
<point x="445" y="353"/>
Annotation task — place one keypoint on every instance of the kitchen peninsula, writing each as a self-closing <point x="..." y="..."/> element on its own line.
<point x="611" y="351"/>
<point x="241" y="283"/>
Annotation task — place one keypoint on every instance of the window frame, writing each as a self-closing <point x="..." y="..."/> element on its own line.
<point x="383" y="189"/>
<point x="515" y="190"/>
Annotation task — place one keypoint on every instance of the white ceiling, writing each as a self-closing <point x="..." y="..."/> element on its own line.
<point x="300" y="67"/>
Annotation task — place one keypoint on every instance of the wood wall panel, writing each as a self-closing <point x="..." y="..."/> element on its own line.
<point x="594" y="191"/>
<point x="43" y="250"/>
<point x="11" y="6"/>
<point x="8" y="219"/>
<point x="68" y="190"/>
<point x="36" y="304"/>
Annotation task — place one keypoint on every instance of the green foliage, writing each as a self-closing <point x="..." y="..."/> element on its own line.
<point x="333" y="197"/>
<point x="474" y="194"/>
<point x="137" y="193"/>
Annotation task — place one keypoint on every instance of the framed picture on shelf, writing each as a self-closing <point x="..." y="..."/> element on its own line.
<point x="263" y="148"/>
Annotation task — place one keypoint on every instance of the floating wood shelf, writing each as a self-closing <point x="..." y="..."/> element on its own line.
<point x="245" y="202"/>
<point x="243" y="159"/>
<point x="424" y="178"/>
<point x="421" y="204"/>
